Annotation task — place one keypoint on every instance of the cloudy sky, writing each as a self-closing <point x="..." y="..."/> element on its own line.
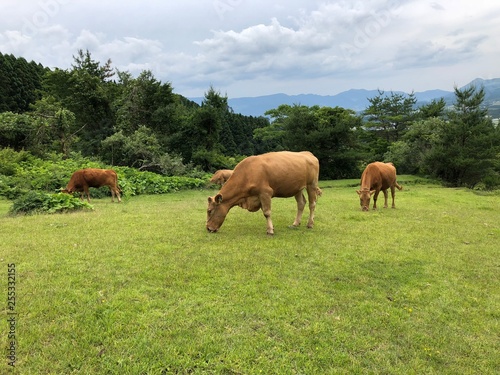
<point x="255" y="47"/>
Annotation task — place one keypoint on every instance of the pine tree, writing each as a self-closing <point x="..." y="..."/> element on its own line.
<point x="467" y="147"/>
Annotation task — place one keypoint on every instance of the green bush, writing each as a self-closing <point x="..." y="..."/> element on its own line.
<point x="10" y="159"/>
<point x="133" y="182"/>
<point x="21" y="172"/>
<point x="39" y="202"/>
<point x="489" y="182"/>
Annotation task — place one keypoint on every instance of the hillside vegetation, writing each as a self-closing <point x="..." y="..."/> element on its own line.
<point x="98" y="112"/>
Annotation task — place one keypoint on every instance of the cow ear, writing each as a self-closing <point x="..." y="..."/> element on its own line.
<point x="372" y="192"/>
<point x="218" y="198"/>
<point x="209" y="199"/>
<point x="359" y="192"/>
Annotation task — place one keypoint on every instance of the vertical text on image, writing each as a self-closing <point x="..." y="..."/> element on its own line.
<point x="11" y="314"/>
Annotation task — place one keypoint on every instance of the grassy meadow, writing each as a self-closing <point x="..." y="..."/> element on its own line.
<point x="141" y="287"/>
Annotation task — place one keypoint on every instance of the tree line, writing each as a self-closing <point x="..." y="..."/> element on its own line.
<point x="96" y="111"/>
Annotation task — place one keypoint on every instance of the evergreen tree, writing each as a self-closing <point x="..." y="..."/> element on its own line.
<point x="467" y="146"/>
<point x="86" y="92"/>
<point x="20" y="83"/>
<point x="208" y="123"/>
<point x="436" y="108"/>
<point x="390" y="115"/>
<point x="139" y="100"/>
<point x="329" y="133"/>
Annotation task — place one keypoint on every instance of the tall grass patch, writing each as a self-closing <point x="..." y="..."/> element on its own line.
<point x="141" y="287"/>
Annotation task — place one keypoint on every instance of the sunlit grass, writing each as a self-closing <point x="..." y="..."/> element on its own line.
<point x="141" y="287"/>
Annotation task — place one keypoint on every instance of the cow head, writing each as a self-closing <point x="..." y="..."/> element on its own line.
<point x="364" y="198"/>
<point x="216" y="213"/>
<point x="66" y="191"/>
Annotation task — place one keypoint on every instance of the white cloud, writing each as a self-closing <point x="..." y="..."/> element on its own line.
<point x="253" y="48"/>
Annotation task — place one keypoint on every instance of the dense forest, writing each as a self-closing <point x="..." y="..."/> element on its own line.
<point x="93" y="110"/>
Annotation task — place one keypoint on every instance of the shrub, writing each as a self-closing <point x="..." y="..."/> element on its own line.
<point x="40" y="202"/>
<point x="10" y="159"/>
<point x="133" y="182"/>
<point x="489" y="182"/>
<point x="20" y="172"/>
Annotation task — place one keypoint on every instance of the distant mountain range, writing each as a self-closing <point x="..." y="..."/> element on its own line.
<point x="356" y="99"/>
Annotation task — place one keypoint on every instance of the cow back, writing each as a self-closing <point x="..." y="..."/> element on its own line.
<point x="378" y="175"/>
<point x="286" y="173"/>
<point x="99" y="177"/>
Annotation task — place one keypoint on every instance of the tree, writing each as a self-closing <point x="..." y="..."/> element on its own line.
<point x="87" y="93"/>
<point x="20" y="83"/>
<point x="242" y="135"/>
<point x="138" y="101"/>
<point x="329" y="133"/>
<point x="139" y="149"/>
<point x="467" y="147"/>
<point x="436" y="108"/>
<point x="273" y="134"/>
<point x="16" y="130"/>
<point x="54" y="127"/>
<point x="203" y="136"/>
<point x="410" y="154"/>
<point x="83" y="61"/>
<point x="390" y="115"/>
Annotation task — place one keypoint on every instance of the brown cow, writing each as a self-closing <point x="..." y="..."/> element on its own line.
<point x="221" y="176"/>
<point x="257" y="179"/>
<point x="82" y="179"/>
<point x="377" y="176"/>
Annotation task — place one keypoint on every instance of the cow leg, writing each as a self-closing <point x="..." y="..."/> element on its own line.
<point x="114" y="192"/>
<point x="117" y="192"/>
<point x="312" y="194"/>
<point x="385" y="198"/>
<point x="86" y="191"/>
<point x="375" y="197"/>
<point x="301" y="203"/>
<point x="393" y="192"/>
<point x="265" y="201"/>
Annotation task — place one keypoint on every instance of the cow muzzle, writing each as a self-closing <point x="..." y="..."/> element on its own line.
<point x="365" y="208"/>
<point x="210" y="230"/>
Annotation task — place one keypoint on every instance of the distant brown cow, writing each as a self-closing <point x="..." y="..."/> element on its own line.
<point x="257" y="179"/>
<point x="84" y="179"/>
<point x="377" y="176"/>
<point x="221" y="176"/>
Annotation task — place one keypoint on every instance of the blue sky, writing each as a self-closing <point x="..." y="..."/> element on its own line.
<point x="251" y="48"/>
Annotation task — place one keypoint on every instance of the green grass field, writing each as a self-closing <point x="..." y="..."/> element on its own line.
<point x="141" y="287"/>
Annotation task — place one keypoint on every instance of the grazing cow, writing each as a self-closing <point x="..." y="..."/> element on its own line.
<point x="257" y="179"/>
<point x="221" y="176"/>
<point x="377" y="176"/>
<point x="84" y="179"/>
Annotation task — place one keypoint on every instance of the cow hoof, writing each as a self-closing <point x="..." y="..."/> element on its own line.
<point x="293" y="226"/>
